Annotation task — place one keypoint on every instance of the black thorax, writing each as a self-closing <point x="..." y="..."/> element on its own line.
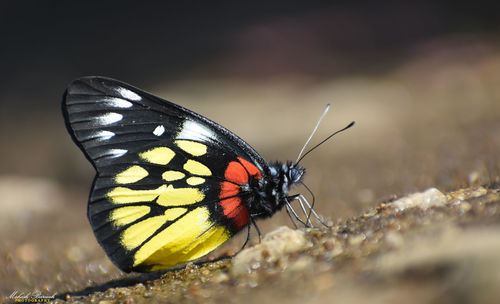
<point x="269" y="194"/>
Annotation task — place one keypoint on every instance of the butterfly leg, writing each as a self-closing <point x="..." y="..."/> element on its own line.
<point x="257" y="228"/>
<point x="246" y="241"/>
<point x="301" y="203"/>
<point x="289" y="207"/>
<point x="311" y="207"/>
<point x="290" y="215"/>
<point x="311" y="210"/>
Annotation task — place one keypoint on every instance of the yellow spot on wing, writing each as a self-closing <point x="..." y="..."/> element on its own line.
<point x="159" y="155"/>
<point x="172" y="175"/>
<point x="192" y="147"/>
<point x="180" y="196"/>
<point x="174" y="213"/>
<point x="131" y="175"/>
<point x="136" y="234"/>
<point x="197" y="168"/>
<point x="194" y="181"/>
<point x="123" y="195"/>
<point x="190" y="237"/>
<point x="126" y="215"/>
<point x="165" y="195"/>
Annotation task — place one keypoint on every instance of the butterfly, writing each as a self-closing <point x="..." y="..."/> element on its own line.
<point x="170" y="185"/>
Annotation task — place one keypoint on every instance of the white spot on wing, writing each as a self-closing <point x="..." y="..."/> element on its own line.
<point x="128" y="94"/>
<point x="109" y="118"/>
<point x="116" y="152"/>
<point x="117" y="102"/>
<point x="103" y="135"/>
<point x="194" y="131"/>
<point x="158" y="131"/>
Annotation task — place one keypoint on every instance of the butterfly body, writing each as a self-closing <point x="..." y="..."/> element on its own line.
<point x="271" y="193"/>
<point x="171" y="185"/>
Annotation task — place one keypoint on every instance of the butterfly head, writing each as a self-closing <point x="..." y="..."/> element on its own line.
<point x="289" y="173"/>
<point x="274" y="188"/>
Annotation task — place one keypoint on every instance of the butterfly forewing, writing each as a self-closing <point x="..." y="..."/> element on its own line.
<point x="161" y="174"/>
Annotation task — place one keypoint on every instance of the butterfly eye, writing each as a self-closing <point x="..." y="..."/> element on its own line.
<point x="295" y="174"/>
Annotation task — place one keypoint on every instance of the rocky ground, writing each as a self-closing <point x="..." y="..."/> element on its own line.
<point x="428" y="247"/>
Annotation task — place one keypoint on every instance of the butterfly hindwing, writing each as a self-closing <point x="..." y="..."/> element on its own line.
<point x="166" y="189"/>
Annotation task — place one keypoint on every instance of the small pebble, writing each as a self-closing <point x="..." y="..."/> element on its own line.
<point x="274" y="246"/>
<point x="431" y="197"/>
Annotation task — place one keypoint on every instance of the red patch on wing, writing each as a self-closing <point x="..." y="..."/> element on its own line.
<point x="233" y="209"/>
<point x="230" y="204"/>
<point x="228" y="189"/>
<point x="237" y="173"/>
<point x="240" y="217"/>
<point x="250" y="168"/>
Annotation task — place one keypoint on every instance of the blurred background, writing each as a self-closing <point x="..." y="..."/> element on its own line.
<point x="422" y="81"/>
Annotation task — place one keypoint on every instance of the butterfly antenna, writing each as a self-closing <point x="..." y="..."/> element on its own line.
<point x="312" y="133"/>
<point x="324" y="140"/>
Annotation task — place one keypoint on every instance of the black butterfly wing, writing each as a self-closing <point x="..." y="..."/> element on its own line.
<point x="96" y="107"/>
<point x="161" y="195"/>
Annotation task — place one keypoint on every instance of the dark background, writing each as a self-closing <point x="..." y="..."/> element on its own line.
<point x="421" y="79"/>
<point x="47" y="44"/>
